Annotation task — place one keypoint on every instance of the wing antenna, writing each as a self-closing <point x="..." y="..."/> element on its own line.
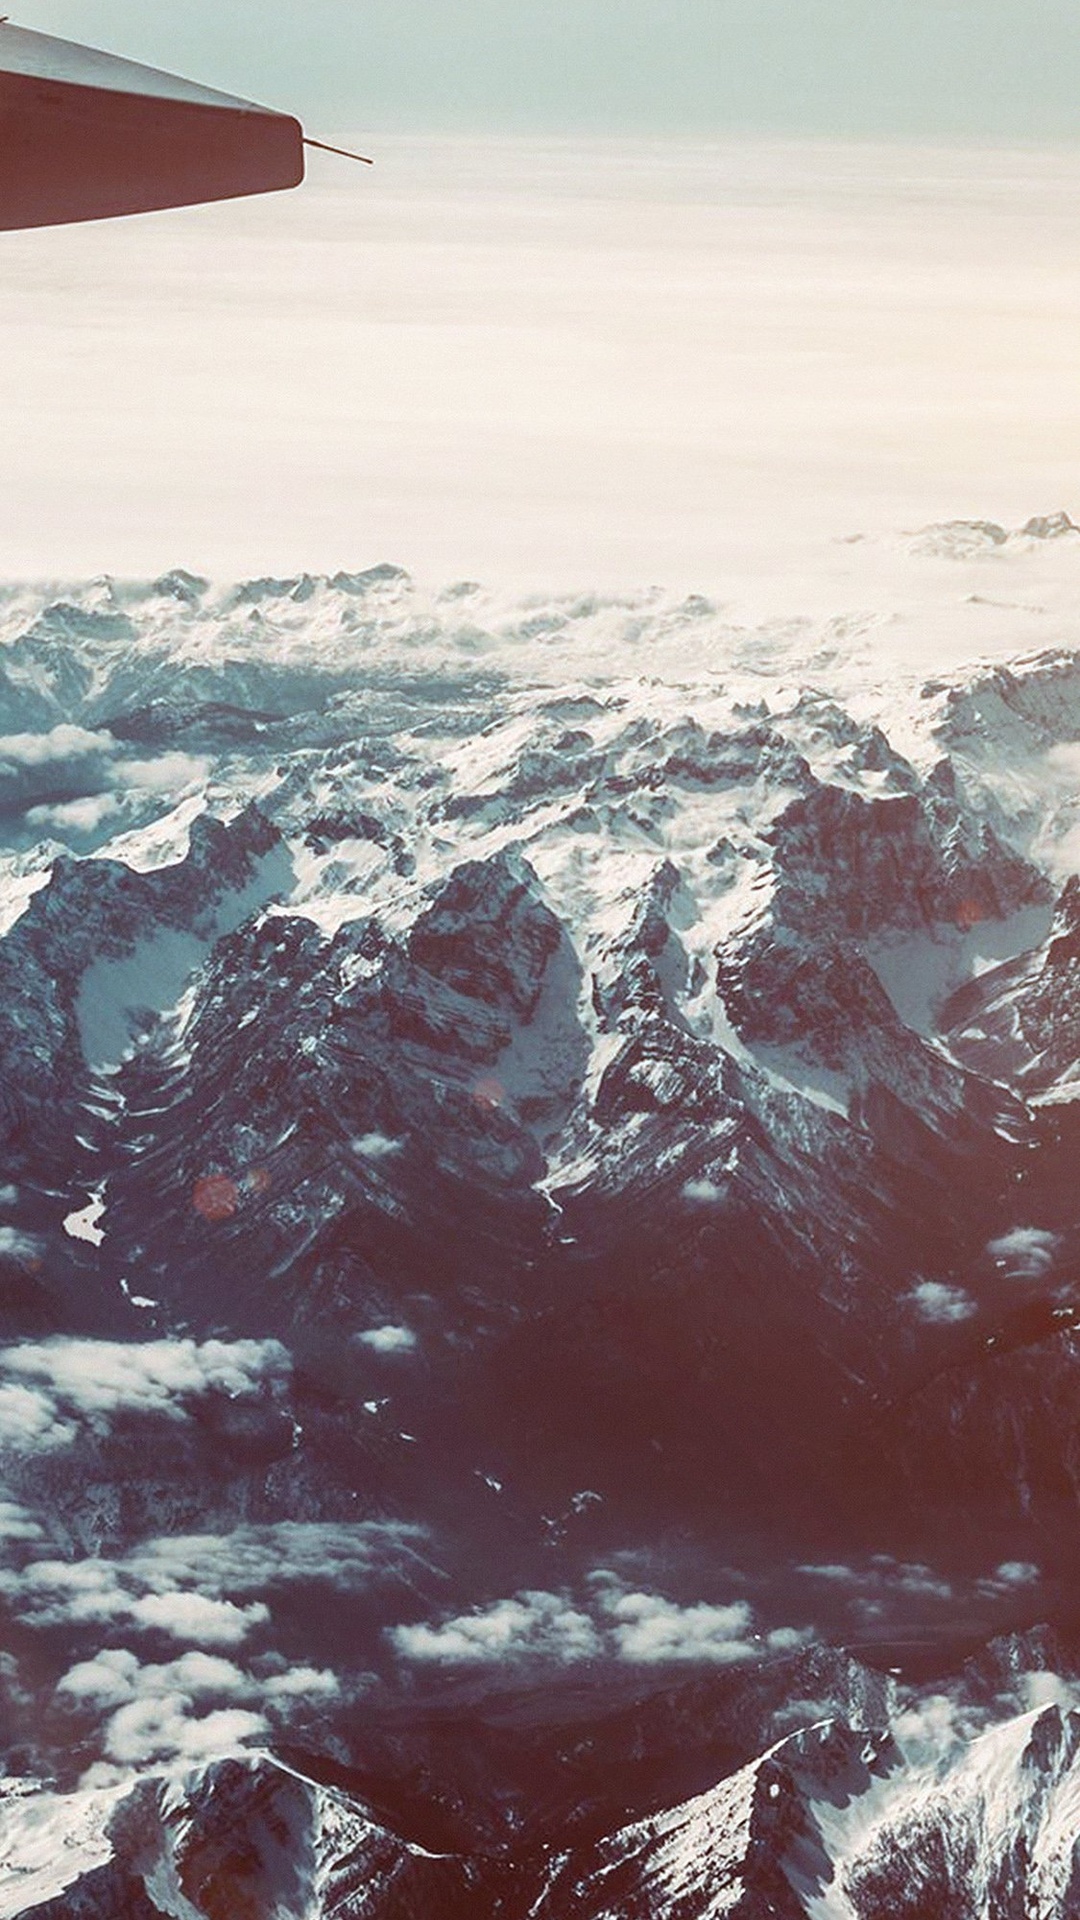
<point x="342" y="151"/>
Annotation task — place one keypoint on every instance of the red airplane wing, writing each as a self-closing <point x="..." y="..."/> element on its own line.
<point x="86" y="136"/>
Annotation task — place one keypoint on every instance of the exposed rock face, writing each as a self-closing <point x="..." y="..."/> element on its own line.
<point x="519" y="1183"/>
<point x="832" y="1819"/>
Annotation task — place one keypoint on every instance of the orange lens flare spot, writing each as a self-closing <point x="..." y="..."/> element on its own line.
<point x="216" y="1197"/>
<point x="969" y="914"/>
<point x="489" y="1092"/>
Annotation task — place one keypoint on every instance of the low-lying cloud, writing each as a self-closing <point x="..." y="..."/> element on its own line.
<point x="70" y="780"/>
<point x="1027" y="1253"/>
<point x="885" y="1590"/>
<point x="941" y="1305"/>
<point x="612" y="1622"/>
<point x="194" y="1708"/>
<point x="49" y="1392"/>
<point x="209" y="1590"/>
<point x="388" y="1339"/>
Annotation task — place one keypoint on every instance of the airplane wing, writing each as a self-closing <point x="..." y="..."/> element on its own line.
<point x="86" y="136"/>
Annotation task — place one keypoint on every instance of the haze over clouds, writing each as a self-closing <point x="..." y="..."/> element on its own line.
<point x="548" y="364"/>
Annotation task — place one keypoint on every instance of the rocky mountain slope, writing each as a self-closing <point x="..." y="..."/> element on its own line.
<point x="537" y="1161"/>
<point x="832" y="1821"/>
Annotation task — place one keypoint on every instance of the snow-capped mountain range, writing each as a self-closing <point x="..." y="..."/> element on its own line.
<point x="537" y="1197"/>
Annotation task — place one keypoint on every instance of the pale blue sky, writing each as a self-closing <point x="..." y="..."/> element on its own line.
<point x="992" y="68"/>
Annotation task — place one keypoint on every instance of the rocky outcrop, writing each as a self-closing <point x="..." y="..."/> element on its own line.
<point x="829" y="1813"/>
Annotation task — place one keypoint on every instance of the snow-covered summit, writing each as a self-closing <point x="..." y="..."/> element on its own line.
<point x="504" y="1112"/>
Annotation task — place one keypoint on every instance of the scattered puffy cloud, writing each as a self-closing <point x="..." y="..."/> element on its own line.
<point x="301" y="1683"/>
<point x="1038" y="1690"/>
<point x="388" y="1339"/>
<point x="169" y="773"/>
<point x="544" y="1627"/>
<point x="78" y="779"/>
<point x="63" y="764"/>
<point x="376" y="1146"/>
<point x="196" y="1707"/>
<point x="931" y="1726"/>
<point x="13" y="1695"/>
<point x="705" y="1193"/>
<point x="160" y="1730"/>
<point x="15" y="1245"/>
<point x="30" y="1421"/>
<point x="115" y="1676"/>
<point x="17" y="1524"/>
<point x="102" y="1593"/>
<point x="612" y="1623"/>
<point x="197" y="1618"/>
<point x="885" y="1589"/>
<point x="648" y="1629"/>
<point x="84" y="815"/>
<point x="941" y="1305"/>
<point x="1012" y="1577"/>
<point x="347" y="1558"/>
<point x="1027" y="1253"/>
<point x="51" y="1390"/>
<point x="207" y="1589"/>
<point x="61" y="743"/>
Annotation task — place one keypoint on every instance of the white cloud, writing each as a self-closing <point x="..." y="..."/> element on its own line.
<point x="942" y="1305"/>
<point x="1011" y="1578"/>
<point x="1038" y="1690"/>
<point x="170" y="773"/>
<point x="163" y="1730"/>
<point x="376" y="1146"/>
<point x="348" y="1558"/>
<point x="1027" y="1253"/>
<point x="198" y="1706"/>
<point x="75" y="816"/>
<point x="197" y="1618"/>
<point x="648" y="1630"/>
<point x="208" y="1589"/>
<point x="614" y="1623"/>
<point x="29" y="1422"/>
<point x="930" y="1727"/>
<point x="16" y="1524"/>
<point x="52" y="1593"/>
<point x="531" y="1626"/>
<point x="19" y="1246"/>
<point x="59" y="744"/>
<point x="1017" y="1573"/>
<point x="301" y="1683"/>
<point x="884" y="1588"/>
<point x="48" y="1390"/>
<point x="115" y="1676"/>
<point x="705" y="1193"/>
<point x="388" y="1339"/>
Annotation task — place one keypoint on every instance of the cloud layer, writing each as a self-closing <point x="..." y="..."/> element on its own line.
<point x="194" y="1708"/>
<point x="51" y="1392"/>
<point x="613" y="1622"/>
<point x="208" y="1589"/>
